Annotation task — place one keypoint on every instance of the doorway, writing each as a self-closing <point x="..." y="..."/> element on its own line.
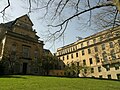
<point x="24" y="68"/>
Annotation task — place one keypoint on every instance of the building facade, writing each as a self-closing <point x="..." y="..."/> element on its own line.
<point x="52" y="65"/>
<point x="20" y="47"/>
<point x="100" y="53"/>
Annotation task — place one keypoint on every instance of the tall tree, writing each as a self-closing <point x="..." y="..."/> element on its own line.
<point x="62" y="12"/>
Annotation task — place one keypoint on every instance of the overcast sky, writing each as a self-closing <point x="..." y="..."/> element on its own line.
<point x="18" y="8"/>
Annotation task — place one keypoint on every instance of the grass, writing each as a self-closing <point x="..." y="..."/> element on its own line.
<point x="19" y="82"/>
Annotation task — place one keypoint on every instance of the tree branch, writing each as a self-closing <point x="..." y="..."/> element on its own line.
<point x="65" y="22"/>
<point x="92" y="8"/>
<point x="30" y="5"/>
<point x="3" y="11"/>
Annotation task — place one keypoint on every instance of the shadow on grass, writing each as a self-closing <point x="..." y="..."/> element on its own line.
<point x="12" y="76"/>
<point x="101" y="79"/>
<point x="95" y="78"/>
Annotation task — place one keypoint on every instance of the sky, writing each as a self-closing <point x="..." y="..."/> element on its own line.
<point x="18" y="9"/>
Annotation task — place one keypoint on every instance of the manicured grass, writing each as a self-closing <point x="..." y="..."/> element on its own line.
<point x="19" y="82"/>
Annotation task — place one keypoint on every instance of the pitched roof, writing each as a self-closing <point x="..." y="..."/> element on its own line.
<point x="27" y="17"/>
<point x="9" y="24"/>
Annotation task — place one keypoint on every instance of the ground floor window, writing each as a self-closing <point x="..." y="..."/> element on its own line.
<point x="100" y="76"/>
<point x="118" y="76"/>
<point x="109" y="76"/>
<point x="92" y="70"/>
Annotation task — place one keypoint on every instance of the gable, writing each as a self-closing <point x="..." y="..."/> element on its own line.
<point x="25" y="19"/>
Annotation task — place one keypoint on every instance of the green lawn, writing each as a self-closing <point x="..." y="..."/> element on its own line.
<point x="55" y="83"/>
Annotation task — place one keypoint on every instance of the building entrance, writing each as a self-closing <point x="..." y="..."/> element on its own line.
<point x="24" y="68"/>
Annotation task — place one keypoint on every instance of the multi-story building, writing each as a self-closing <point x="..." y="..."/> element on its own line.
<point x="98" y="54"/>
<point x="20" y="47"/>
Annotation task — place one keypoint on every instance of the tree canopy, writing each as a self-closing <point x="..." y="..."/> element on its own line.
<point x="60" y="13"/>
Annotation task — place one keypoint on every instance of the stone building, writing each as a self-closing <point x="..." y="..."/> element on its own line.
<point x="52" y="65"/>
<point x="99" y="52"/>
<point x="20" y="47"/>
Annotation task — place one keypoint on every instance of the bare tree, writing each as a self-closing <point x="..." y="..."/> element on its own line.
<point x="60" y="13"/>
<point x="106" y="18"/>
<point x="10" y="61"/>
<point x="63" y="12"/>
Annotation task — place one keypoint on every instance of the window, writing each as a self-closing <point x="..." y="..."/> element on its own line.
<point x="100" y="38"/>
<point x="90" y="59"/>
<point x="63" y="57"/>
<point x="108" y="67"/>
<point x="118" y="76"/>
<point x="104" y="56"/>
<point x="67" y="57"/>
<point x="92" y="70"/>
<point x="96" y="49"/>
<point x="108" y="36"/>
<point x="36" y="54"/>
<point x="75" y="47"/>
<point x="68" y="49"/>
<point x="116" y="66"/>
<point x="58" y="53"/>
<point x="85" y="71"/>
<point x="77" y="63"/>
<point x="89" y="51"/>
<point x="100" y="76"/>
<point x="112" y="52"/>
<point x="63" y="51"/>
<point x="103" y="46"/>
<point x="99" y="69"/>
<point x="13" y="47"/>
<point x="76" y="54"/>
<point x="97" y="58"/>
<point x="88" y="43"/>
<point x="117" y="34"/>
<point x="84" y="62"/>
<point x="13" y="51"/>
<point x="111" y="44"/>
<point x="59" y="58"/>
<point x="81" y="45"/>
<point x="83" y="53"/>
<point x="109" y="76"/>
<point x="119" y="41"/>
<point x="71" y="55"/>
<point x="94" y="40"/>
<point x="26" y="52"/>
<point x="71" y="49"/>
<point x="36" y="70"/>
